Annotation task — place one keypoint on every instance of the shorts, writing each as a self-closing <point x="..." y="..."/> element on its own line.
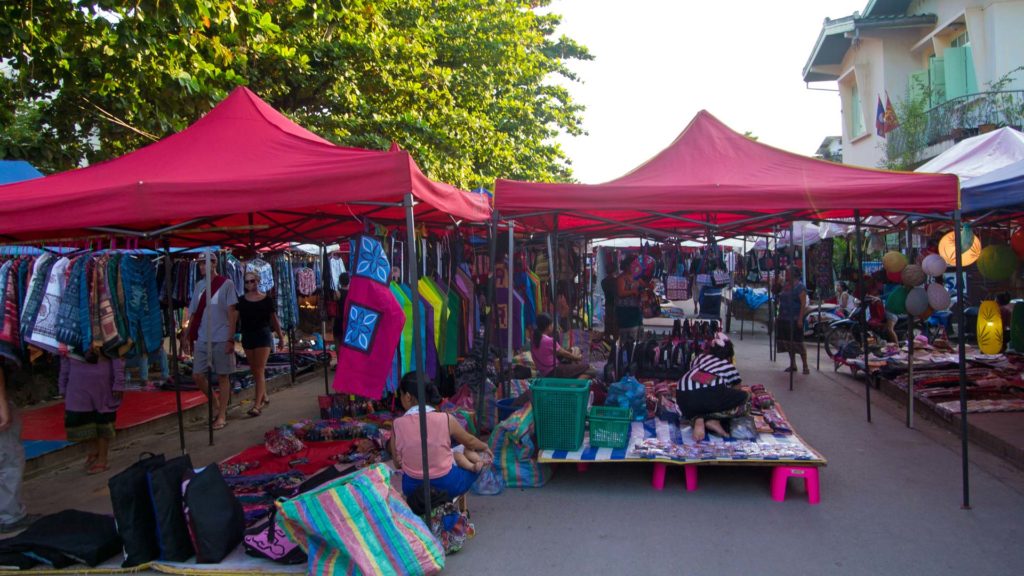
<point x="257" y="339"/>
<point x="223" y="362"/>
<point x="456" y="482"/>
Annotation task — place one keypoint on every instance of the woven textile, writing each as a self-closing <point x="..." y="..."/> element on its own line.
<point x="359" y="525"/>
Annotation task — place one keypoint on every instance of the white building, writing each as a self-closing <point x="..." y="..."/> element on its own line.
<point x="946" y="54"/>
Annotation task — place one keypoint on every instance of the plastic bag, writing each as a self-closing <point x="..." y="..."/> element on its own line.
<point x="628" y="393"/>
<point x="489" y="482"/>
<point x="743" y="428"/>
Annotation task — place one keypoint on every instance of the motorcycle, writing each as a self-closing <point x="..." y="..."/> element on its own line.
<point x="817" y="320"/>
<point x="843" y="333"/>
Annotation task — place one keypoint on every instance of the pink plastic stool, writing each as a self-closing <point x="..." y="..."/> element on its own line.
<point x="781" y="475"/>
<point x="658" y="478"/>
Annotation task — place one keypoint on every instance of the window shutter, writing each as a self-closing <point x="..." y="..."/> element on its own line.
<point x="937" y="81"/>
<point x="955" y="71"/>
<point x="917" y="85"/>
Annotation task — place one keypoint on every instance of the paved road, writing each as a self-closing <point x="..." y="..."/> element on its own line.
<point x="890" y="499"/>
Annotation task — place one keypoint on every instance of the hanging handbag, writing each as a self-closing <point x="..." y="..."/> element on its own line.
<point x="720" y="277"/>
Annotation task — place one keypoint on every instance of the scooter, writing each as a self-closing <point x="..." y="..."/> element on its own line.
<point x="846" y="331"/>
<point x="818" y="318"/>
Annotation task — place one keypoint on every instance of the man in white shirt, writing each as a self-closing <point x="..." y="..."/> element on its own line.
<point x="215" y="331"/>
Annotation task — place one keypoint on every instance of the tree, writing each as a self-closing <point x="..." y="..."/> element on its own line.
<point x="903" y="146"/>
<point x="464" y="85"/>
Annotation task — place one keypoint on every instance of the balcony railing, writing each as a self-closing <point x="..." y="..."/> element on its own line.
<point x="959" y="118"/>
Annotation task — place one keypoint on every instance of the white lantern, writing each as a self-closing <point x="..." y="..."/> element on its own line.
<point x="938" y="297"/>
<point x="917" y="301"/>
<point x="934" y="265"/>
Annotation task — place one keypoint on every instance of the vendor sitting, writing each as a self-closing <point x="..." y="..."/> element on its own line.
<point x="454" y="473"/>
<point x="709" y="392"/>
<point x="544" y="351"/>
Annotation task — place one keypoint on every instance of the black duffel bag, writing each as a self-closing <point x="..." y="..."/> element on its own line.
<point x="215" y="518"/>
<point x="165" y="493"/>
<point x="133" y="510"/>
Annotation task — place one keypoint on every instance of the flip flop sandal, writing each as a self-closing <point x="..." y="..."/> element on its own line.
<point x="254" y="412"/>
<point x="219" y="426"/>
<point x="97" y="469"/>
<point x="90" y="460"/>
<point x="807" y="371"/>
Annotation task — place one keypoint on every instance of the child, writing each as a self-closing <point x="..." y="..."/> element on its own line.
<point x="469" y="459"/>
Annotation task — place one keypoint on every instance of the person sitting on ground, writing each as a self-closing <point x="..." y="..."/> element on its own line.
<point x="709" y="393"/>
<point x="446" y="471"/>
<point x="544" y="351"/>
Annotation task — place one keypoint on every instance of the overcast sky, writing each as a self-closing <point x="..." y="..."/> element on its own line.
<point x="658" y="62"/>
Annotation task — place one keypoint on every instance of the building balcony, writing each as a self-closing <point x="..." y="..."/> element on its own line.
<point x="956" y="119"/>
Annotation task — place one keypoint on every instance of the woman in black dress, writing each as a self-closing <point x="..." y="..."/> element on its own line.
<point x="257" y="314"/>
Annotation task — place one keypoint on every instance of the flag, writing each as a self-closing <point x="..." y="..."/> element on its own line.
<point x="891" y="121"/>
<point x="880" y="119"/>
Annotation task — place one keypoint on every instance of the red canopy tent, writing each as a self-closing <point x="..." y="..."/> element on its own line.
<point x="243" y="165"/>
<point x="711" y="175"/>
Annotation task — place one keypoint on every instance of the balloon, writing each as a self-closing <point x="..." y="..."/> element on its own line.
<point x="933" y="265"/>
<point x="947" y="249"/>
<point x="897" y="300"/>
<point x="917" y="301"/>
<point x="926" y="314"/>
<point x="913" y="275"/>
<point x="997" y="262"/>
<point x="938" y="297"/>
<point x="894" y="277"/>
<point x="1017" y="242"/>
<point x="894" y="262"/>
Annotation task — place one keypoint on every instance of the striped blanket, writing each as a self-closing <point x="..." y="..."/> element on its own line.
<point x="655" y="440"/>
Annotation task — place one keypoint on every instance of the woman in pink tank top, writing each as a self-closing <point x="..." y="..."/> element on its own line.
<point x="406" y="446"/>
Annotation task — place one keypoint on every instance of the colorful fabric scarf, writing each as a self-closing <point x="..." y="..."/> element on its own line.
<point x="197" y="318"/>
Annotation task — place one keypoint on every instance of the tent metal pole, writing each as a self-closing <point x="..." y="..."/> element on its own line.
<point x="511" y="279"/>
<point x="552" y="273"/>
<point x="324" y="281"/>
<point x="209" y="350"/>
<point x="492" y="325"/>
<point x="863" y="321"/>
<point x="417" y="343"/>
<point x="910" y="340"/>
<point x="772" y="276"/>
<point x="962" y="354"/>
<point x="169" y="319"/>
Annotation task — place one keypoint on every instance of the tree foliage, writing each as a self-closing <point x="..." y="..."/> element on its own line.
<point x="465" y="85"/>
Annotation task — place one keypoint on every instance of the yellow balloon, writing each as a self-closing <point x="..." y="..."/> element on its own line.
<point x="990" y="328"/>
<point x="947" y="249"/>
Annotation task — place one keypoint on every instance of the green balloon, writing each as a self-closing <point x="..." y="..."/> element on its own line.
<point x="897" y="300"/>
<point x="997" y="262"/>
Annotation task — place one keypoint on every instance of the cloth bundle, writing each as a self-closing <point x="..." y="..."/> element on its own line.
<point x="359" y="524"/>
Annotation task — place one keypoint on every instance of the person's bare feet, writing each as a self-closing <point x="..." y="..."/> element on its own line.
<point x="698" y="429"/>
<point x="478" y="466"/>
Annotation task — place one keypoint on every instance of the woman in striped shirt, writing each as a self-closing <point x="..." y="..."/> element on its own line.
<point x="709" y="392"/>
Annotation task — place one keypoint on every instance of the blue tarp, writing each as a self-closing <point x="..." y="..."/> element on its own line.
<point x="1002" y="188"/>
<point x="754" y="298"/>
<point x="16" y="171"/>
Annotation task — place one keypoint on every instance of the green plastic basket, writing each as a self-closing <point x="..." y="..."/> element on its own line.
<point x="560" y="412"/>
<point x="609" y="426"/>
